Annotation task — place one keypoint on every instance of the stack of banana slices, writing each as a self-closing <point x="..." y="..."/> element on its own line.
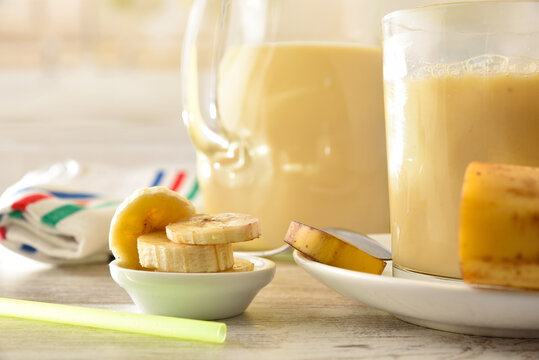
<point x="199" y="243"/>
<point x="157" y="229"/>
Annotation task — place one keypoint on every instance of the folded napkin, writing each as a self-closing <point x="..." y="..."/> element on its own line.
<point x="61" y="215"/>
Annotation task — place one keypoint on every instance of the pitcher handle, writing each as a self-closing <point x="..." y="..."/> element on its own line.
<point x="200" y="113"/>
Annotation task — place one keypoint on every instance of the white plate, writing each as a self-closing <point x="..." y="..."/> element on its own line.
<point x="452" y="306"/>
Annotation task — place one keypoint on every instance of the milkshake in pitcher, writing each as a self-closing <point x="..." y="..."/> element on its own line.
<point x="311" y="116"/>
<point x="284" y="104"/>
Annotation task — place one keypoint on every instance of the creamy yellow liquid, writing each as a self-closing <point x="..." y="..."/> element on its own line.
<point x="445" y="123"/>
<point x="312" y="118"/>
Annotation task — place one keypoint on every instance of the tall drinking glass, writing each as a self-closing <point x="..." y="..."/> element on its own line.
<point x="461" y="85"/>
<point x="283" y="100"/>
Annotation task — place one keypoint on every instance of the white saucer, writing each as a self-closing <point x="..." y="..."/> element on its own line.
<point x="453" y="306"/>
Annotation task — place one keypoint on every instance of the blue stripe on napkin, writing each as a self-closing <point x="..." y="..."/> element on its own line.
<point x="158" y="178"/>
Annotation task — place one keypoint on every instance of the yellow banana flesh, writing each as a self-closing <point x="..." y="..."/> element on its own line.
<point x="242" y="265"/>
<point x="146" y="210"/>
<point x="203" y="229"/>
<point x="156" y="252"/>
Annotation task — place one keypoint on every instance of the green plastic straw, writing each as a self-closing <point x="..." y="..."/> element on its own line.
<point x="186" y="329"/>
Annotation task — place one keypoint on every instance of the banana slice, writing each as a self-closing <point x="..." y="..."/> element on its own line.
<point x="159" y="253"/>
<point x="146" y="210"/>
<point x="206" y="229"/>
<point x="241" y="265"/>
<point x="331" y="250"/>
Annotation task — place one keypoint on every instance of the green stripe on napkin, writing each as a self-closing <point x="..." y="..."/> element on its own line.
<point x="104" y="205"/>
<point x="53" y="217"/>
<point x="193" y="191"/>
<point x="16" y="214"/>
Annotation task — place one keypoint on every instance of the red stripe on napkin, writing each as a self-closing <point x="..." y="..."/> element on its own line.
<point x="21" y="204"/>
<point x="2" y="233"/>
<point x="177" y="181"/>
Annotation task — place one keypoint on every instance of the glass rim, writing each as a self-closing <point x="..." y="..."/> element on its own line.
<point x="410" y="11"/>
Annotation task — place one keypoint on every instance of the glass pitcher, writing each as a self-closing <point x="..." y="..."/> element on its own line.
<point x="283" y="100"/>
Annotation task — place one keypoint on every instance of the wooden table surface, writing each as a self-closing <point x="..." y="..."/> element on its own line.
<point x="294" y="317"/>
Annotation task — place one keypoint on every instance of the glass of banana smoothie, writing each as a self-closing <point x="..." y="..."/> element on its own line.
<point x="283" y="100"/>
<point x="461" y="84"/>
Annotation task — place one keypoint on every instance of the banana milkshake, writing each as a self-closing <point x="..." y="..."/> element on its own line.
<point x="485" y="109"/>
<point x="312" y="117"/>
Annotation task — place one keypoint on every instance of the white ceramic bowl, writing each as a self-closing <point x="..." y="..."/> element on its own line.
<point x="203" y="296"/>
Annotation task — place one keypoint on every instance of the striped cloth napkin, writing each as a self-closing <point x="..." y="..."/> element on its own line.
<point x="61" y="215"/>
